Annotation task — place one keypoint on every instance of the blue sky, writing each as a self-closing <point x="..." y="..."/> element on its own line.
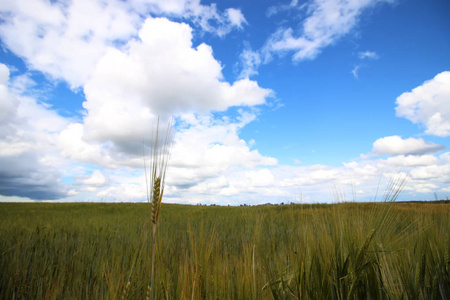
<point x="275" y="101"/>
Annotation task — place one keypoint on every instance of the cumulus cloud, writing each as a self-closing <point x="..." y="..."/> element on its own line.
<point x="424" y="174"/>
<point x="125" y="91"/>
<point x="124" y="192"/>
<point x="159" y="74"/>
<point x="72" y="145"/>
<point x="27" y="175"/>
<point x="96" y="179"/>
<point x="65" y="39"/>
<point x="206" y="148"/>
<point x="262" y="177"/>
<point x="428" y="104"/>
<point x="395" y="145"/>
<point x="209" y="162"/>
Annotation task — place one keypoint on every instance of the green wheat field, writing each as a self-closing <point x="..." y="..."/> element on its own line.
<point x="322" y="251"/>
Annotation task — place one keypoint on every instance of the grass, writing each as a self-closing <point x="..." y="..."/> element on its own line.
<point x="338" y="251"/>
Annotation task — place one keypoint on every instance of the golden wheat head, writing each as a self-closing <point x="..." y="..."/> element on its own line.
<point x="156" y="200"/>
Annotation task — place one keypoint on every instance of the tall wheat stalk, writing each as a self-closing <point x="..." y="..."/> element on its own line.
<point x="159" y="156"/>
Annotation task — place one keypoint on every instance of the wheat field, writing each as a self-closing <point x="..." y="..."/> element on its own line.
<point x="322" y="251"/>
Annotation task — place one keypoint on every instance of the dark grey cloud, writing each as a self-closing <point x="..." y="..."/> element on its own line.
<point x="25" y="176"/>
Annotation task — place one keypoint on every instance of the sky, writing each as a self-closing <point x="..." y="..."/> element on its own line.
<point x="299" y="101"/>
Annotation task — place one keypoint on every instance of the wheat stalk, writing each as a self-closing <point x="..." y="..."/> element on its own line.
<point x="160" y="155"/>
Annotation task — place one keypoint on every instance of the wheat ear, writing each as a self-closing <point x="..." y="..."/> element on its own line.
<point x="156" y="200"/>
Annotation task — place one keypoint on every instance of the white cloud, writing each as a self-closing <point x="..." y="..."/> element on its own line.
<point x="211" y="164"/>
<point x="355" y="71"/>
<point x="159" y="74"/>
<point x="370" y="177"/>
<point x="368" y="54"/>
<point x="23" y="84"/>
<point x="250" y="61"/>
<point x="206" y="148"/>
<point x="65" y="39"/>
<point x="363" y="55"/>
<point x="96" y="179"/>
<point x="412" y="160"/>
<point x="207" y="17"/>
<point x="308" y="176"/>
<point x="72" y="145"/>
<point x="327" y="22"/>
<point x="123" y="192"/>
<point x="395" y="145"/>
<point x="211" y="20"/>
<point x="208" y="180"/>
<point x="431" y="172"/>
<point x="428" y="104"/>
<point x="235" y="17"/>
<point x="262" y="177"/>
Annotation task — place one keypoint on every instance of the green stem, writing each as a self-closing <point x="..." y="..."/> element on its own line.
<point x="152" y="284"/>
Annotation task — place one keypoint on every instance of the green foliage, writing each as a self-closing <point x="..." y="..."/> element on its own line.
<point x="339" y="251"/>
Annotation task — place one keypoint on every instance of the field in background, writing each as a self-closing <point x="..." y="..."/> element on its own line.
<point x="349" y="250"/>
